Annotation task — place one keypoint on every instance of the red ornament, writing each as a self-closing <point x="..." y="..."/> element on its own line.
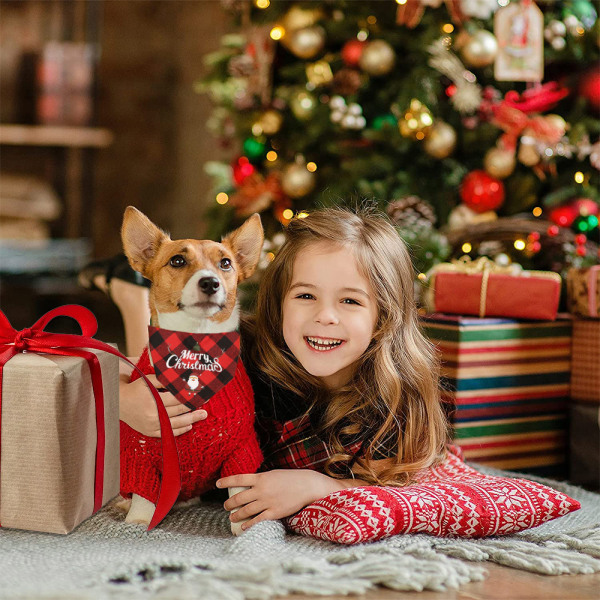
<point x="580" y="239"/>
<point x="451" y="90"/>
<point x="481" y="192"/>
<point x="563" y="215"/>
<point x="586" y="207"/>
<point x="352" y="51"/>
<point x="580" y="251"/>
<point x="242" y="169"/>
<point x="590" y="88"/>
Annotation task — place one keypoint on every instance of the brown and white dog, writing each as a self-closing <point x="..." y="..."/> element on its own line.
<point x="194" y="289"/>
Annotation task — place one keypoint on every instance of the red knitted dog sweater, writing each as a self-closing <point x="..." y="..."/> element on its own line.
<point x="225" y="443"/>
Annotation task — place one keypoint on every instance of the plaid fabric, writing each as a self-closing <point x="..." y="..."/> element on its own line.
<point x="193" y="367"/>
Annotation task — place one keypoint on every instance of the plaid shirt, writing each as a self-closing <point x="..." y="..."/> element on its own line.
<point x="287" y="431"/>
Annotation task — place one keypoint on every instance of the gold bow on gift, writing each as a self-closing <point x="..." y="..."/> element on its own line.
<point x="482" y="265"/>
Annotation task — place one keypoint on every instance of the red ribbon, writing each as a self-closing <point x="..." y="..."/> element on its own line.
<point x="35" y="339"/>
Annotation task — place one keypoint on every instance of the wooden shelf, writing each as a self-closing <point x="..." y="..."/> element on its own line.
<point x="54" y="135"/>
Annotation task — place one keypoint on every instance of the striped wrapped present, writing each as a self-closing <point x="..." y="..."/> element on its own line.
<point x="585" y="372"/>
<point x="507" y="385"/>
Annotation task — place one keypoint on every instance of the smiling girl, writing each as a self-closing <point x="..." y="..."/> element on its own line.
<point x="346" y="386"/>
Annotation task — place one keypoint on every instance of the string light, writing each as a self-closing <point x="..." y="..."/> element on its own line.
<point x="422" y="277"/>
<point x="362" y="35"/>
<point x="579" y="177"/>
<point x="287" y="214"/>
<point x="466" y="247"/>
<point x="400" y="2"/>
<point x="520" y="244"/>
<point x="271" y="156"/>
<point x="371" y="19"/>
<point x="448" y="28"/>
<point x="262" y="3"/>
<point x="537" y="211"/>
<point x="311" y="166"/>
<point x="270" y="256"/>
<point x="302" y="215"/>
<point x="277" y="32"/>
<point x="222" y="198"/>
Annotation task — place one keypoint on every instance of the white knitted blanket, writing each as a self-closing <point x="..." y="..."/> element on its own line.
<point x="193" y="555"/>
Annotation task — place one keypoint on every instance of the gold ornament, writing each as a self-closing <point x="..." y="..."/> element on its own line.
<point x="416" y="121"/>
<point x="269" y="122"/>
<point x="528" y="154"/>
<point x="480" y="50"/>
<point x="306" y="42"/>
<point x="441" y="140"/>
<point x="297" y="18"/>
<point x="303" y="105"/>
<point x="297" y="180"/>
<point x="377" y="58"/>
<point x="499" y="163"/>
<point x="319" y="73"/>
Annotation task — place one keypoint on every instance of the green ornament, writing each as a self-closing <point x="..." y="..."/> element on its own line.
<point x="588" y="225"/>
<point x="383" y="121"/>
<point x="254" y="148"/>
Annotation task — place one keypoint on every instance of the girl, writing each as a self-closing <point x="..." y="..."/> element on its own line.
<point x="345" y="384"/>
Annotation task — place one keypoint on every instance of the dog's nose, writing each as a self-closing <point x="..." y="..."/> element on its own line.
<point x="208" y="285"/>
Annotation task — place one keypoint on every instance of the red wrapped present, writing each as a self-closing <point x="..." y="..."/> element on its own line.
<point x="482" y="288"/>
<point x="59" y="411"/>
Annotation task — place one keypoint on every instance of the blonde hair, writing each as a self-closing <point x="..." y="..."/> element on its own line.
<point x="392" y="401"/>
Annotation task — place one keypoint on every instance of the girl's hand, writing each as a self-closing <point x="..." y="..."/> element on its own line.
<point x="137" y="408"/>
<point x="275" y="494"/>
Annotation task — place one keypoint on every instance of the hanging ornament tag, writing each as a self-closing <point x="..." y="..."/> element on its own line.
<point x="193" y="367"/>
<point x="519" y="30"/>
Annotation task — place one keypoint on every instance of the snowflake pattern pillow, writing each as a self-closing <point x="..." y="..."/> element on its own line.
<point x="449" y="500"/>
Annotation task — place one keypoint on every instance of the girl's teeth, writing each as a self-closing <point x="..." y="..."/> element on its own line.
<point x="318" y="344"/>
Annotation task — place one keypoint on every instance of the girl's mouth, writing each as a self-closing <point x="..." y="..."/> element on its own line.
<point x="323" y="344"/>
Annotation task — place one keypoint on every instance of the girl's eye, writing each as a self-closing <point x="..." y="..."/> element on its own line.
<point x="177" y="261"/>
<point x="351" y="301"/>
<point x="225" y="264"/>
<point x="305" y="296"/>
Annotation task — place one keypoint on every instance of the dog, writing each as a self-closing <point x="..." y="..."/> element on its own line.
<point x="194" y="290"/>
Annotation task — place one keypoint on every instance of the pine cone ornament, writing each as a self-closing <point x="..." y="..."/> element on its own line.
<point x="411" y="212"/>
<point x="346" y="82"/>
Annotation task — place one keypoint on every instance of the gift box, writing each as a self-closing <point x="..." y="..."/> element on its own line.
<point x="59" y="426"/>
<point x="583" y="291"/>
<point x="484" y="289"/>
<point x="49" y="438"/>
<point x="585" y="368"/>
<point x="506" y="385"/>
<point x="584" y="456"/>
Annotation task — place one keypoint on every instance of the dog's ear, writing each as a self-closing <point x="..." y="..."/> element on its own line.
<point x="246" y="243"/>
<point x="141" y="239"/>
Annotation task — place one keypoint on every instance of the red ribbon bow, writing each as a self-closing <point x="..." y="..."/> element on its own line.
<point x="35" y="339"/>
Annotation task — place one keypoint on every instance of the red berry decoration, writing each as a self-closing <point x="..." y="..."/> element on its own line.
<point x="481" y="192"/>
<point x="580" y="239"/>
<point x="563" y="215"/>
<point x="242" y="169"/>
<point x="352" y="51"/>
<point x="580" y="251"/>
<point x="553" y="231"/>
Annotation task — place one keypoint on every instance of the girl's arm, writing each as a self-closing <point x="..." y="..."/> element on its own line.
<point x="282" y="492"/>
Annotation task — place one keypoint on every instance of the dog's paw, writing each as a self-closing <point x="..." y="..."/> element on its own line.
<point x="236" y="529"/>
<point x="123" y="504"/>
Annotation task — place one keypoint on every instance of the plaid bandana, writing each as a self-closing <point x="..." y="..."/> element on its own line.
<point x="193" y="367"/>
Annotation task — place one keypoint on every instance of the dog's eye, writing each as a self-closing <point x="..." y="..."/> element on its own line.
<point x="178" y="261"/>
<point x="225" y="264"/>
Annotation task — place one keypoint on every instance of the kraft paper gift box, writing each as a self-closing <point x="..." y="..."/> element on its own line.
<point x="584" y="442"/>
<point x="585" y="370"/>
<point x="506" y="384"/>
<point x="482" y="288"/>
<point x="48" y="440"/>
<point x="583" y="291"/>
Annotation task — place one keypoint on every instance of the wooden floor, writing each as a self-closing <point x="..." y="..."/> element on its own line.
<point x="501" y="584"/>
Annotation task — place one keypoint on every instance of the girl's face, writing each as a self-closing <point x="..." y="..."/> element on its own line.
<point x="329" y="313"/>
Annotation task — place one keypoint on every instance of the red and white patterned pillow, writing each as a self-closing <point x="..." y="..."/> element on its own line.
<point x="451" y="500"/>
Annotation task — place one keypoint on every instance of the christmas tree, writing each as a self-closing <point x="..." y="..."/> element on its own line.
<point x="473" y="123"/>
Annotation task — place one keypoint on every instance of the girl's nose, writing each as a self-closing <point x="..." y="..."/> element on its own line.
<point x="326" y="315"/>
